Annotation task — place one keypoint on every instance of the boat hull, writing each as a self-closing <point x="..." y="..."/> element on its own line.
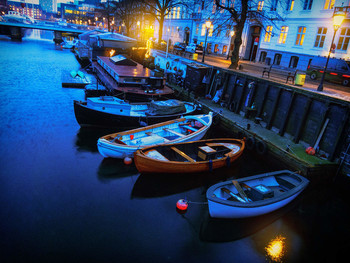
<point x="108" y="148"/>
<point x="219" y="207"/>
<point x="90" y="117"/>
<point x="148" y="165"/>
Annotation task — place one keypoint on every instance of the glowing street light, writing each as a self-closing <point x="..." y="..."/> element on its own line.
<point x="338" y="19"/>
<point x="208" y="25"/>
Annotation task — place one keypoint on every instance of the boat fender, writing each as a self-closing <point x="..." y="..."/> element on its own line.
<point x="261" y="147"/>
<point x="228" y="163"/>
<point x="210" y="165"/>
<point x="250" y="143"/>
<point x="232" y="106"/>
<point x="127" y="160"/>
<point x="167" y="65"/>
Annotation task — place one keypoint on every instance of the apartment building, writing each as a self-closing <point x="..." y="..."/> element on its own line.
<point x="305" y="31"/>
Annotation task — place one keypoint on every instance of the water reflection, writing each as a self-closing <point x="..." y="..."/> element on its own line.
<point x="275" y="249"/>
<point x="111" y="168"/>
<point x="86" y="139"/>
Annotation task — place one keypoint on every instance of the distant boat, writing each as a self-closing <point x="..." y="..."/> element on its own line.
<point x="15" y="17"/>
<point x="188" y="157"/>
<point x="254" y="195"/>
<point x="124" y="144"/>
<point x="108" y="111"/>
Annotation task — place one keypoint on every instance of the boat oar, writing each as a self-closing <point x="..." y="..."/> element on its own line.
<point x="233" y="195"/>
<point x="240" y="190"/>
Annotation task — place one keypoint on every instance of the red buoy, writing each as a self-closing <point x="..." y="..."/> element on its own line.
<point x="182" y="205"/>
<point x="127" y="160"/>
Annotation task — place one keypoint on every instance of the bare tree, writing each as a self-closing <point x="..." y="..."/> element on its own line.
<point x="239" y="11"/>
<point x="159" y="9"/>
<point x="107" y="9"/>
<point x="126" y="11"/>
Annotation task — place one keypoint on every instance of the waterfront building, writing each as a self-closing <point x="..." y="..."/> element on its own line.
<point x="31" y="10"/>
<point x="49" y="6"/>
<point x="306" y="31"/>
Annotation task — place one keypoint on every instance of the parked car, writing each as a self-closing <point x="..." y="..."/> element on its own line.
<point x="193" y="48"/>
<point x="337" y="70"/>
<point x="178" y="46"/>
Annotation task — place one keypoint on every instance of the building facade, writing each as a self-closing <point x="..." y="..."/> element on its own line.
<point x="306" y="31"/>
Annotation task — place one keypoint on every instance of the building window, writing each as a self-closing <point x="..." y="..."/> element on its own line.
<point x="329" y="4"/>
<point x="263" y="55"/>
<point x="178" y="12"/>
<point x="203" y="30"/>
<point x="214" y="7"/>
<point x="293" y="63"/>
<point x="320" y="37"/>
<point x="210" y="31"/>
<point x="197" y="29"/>
<point x="277" y="59"/>
<point x="273" y="5"/>
<point x="344" y="38"/>
<point x="307" y="4"/>
<point x="260" y="5"/>
<point x="300" y="36"/>
<point x="174" y="12"/>
<point x="290" y="5"/>
<point x="283" y="35"/>
<point x="268" y="34"/>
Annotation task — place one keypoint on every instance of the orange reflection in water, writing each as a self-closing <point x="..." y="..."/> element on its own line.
<point x="276" y="248"/>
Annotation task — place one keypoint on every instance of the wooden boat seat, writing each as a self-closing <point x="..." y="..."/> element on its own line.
<point x="174" y="132"/>
<point x="183" y="154"/>
<point x="189" y="128"/>
<point x="156" y="155"/>
<point x="157" y="135"/>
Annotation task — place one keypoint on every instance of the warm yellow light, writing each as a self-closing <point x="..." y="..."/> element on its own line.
<point x="338" y="20"/>
<point x="208" y="23"/>
<point x="232" y="33"/>
<point x="138" y="23"/>
<point x="111" y="53"/>
<point x="276" y="248"/>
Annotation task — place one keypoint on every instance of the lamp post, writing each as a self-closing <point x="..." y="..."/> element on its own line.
<point x="232" y="33"/>
<point x="337" y="21"/>
<point x="207" y="24"/>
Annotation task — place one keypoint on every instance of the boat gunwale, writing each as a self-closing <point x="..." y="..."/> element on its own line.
<point x="273" y="200"/>
<point x="141" y="153"/>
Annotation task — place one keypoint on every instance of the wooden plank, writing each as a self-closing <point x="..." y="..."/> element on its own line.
<point x="302" y="121"/>
<point x="274" y="109"/>
<point x="174" y="132"/>
<point x="240" y="190"/>
<point x="182" y="154"/>
<point x="156" y="135"/>
<point x="286" y="117"/>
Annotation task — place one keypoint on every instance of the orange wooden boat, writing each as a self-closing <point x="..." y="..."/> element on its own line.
<point x="188" y="157"/>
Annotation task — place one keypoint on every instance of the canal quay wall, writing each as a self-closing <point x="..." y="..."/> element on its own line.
<point x="278" y="120"/>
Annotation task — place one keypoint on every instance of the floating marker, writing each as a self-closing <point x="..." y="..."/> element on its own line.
<point x="127" y="160"/>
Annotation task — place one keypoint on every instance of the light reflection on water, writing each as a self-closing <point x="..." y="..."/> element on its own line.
<point x="61" y="200"/>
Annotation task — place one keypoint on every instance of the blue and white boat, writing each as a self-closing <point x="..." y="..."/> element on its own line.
<point x="185" y="129"/>
<point x="255" y="195"/>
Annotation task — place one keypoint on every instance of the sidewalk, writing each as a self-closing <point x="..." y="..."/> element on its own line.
<point x="255" y="69"/>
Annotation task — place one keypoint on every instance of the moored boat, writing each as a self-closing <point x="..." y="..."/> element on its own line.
<point x="254" y="195"/>
<point x="188" y="157"/>
<point x="124" y="144"/>
<point x="108" y="111"/>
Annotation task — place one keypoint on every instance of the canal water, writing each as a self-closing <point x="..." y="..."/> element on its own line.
<point x="62" y="202"/>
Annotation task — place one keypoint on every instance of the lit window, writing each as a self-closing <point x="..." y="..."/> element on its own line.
<point x="344" y="38"/>
<point x="197" y="29"/>
<point x="283" y="35"/>
<point x="300" y="36"/>
<point x="178" y="12"/>
<point x="210" y="31"/>
<point x="203" y="30"/>
<point x="320" y="37"/>
<point x="214" y="7"/>
<point x="290" y="5"/>
<point x="268" y="34"/>
<point x="260" y="5"/>
<point x="307" y="4"/>
<point x="329" y="4"/>
<point x="174" y="12"/>
<point x="223" y="2"/>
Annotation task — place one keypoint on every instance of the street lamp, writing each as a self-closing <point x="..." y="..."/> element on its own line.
<point x="208" y="25"/>
<point x="232" y="33"/>
<point x="337" y="21"/>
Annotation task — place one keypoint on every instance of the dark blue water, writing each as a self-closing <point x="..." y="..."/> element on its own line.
<point x="62" y="202"/>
